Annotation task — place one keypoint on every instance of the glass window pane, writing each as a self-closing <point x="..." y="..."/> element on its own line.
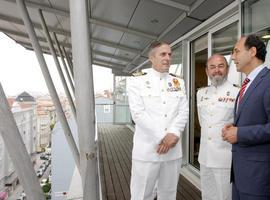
<point x="198" y="79"/>
<point x="176" y="64"/>
<point x="222" y="43"/>
<point x="256" y="19"/>
<point x="255" y="15"/>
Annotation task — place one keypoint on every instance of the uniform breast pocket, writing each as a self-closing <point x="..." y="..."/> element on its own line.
<point x="225" y="110"/>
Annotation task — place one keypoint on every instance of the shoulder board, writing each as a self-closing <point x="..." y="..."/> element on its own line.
<point x="139" y="74"/>
<point x="174" y="75"/>
<point x="235" y="85"/>
<point x="202" y="88"/>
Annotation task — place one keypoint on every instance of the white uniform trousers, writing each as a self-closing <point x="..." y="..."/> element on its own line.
<point x="215" y="183"/>
<point x="145" y="176"/>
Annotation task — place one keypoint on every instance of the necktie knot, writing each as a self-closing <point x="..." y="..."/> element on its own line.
<point x="242" y="91"/>
<point x="245" y="81"/>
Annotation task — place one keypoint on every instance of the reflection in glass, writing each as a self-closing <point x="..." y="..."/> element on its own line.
<point x="222" y="43"/>
<point x="256" y="19"/>
<point x="176" y="64"/>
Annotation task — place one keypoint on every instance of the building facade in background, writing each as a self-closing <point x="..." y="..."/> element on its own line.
<point x="24" y="111"/>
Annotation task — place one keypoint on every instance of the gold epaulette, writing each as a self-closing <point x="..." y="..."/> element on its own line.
<point x="139" y="73"/>
<point x="174" y="75"/>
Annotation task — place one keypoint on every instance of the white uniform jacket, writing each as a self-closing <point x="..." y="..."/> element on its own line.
<point x="215" y="109"/>
<point x="158" y="106"/>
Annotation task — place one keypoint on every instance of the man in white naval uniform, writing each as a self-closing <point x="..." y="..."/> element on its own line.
<point x="159" y="109"/>
<point x="215" y="105"/>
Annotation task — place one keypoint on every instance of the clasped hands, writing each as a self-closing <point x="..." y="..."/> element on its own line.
<point x="229" y="133"/>
<point x="168" y="142"/>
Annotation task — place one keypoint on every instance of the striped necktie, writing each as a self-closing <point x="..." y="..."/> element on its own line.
<point x="243" y="88"/>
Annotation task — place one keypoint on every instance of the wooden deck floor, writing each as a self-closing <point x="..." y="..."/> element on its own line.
<point x="115" y="146"/>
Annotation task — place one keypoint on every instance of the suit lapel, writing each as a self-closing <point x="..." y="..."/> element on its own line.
<point x="249" y="91"/>
<point x="235" y="108"/>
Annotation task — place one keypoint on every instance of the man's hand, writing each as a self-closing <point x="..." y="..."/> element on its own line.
<point x="168" y="142"/>
<point x="229" y="133"/>
<point x="162" y="148"/>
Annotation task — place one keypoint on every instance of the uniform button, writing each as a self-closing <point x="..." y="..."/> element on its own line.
<point x="209" y="126"/>
<point x="162" y="90"/>
<point x="164" y="102"/>
<point x="209" y="138"/>
<point x="165" y="115"/>
<point x="166" y="129"/>
<point x="211" y="115"/>
<point x="160" y="79"/>
<point x="149" y="95"/>
<point x="213" y="103"/>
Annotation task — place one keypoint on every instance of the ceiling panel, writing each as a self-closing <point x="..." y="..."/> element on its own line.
<point x="188" y="23"/>
<point x="119" y="11"/>
<point x="101" y="32"/>
<point x="185" y="2"/>
<point x="153" y="17"/>
<point x="60" y="4"/>
<point x="134" y="41"/>
<point x="118" y="61"/>
<point x="125" y="54"/>
<point x="101" y="57"/>
<point x="209" y="8"/>
<point x="106" y="49"/>
<point x="9" y="8"/>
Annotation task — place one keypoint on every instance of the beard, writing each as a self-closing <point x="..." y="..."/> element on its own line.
<point x="218" y="80"/>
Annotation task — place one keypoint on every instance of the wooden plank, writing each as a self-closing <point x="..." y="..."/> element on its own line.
<point x="122" y="154"/>
<point x="119" y="166"/>
<point x="187" y="189"/>
<point x="102" y="176"/>
<point x="110" y="194"/>
<point x="116" y="183"/>
<point x="116" y="142"/>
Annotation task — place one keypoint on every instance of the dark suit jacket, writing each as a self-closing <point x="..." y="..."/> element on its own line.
<point x="251" y="153"/>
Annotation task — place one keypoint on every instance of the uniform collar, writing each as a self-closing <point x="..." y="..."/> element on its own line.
<point x="158" y="74"/>
<point x="224" y="84"/>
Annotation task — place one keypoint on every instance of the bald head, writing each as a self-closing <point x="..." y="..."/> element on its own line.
<point x="217" y="69"/>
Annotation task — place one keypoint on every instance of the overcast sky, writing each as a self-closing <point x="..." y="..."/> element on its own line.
<point x="20" y="71"/>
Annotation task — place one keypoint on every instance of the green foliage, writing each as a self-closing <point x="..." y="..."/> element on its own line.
<point x="46" y="188"/>
<point x="52" y="126"/>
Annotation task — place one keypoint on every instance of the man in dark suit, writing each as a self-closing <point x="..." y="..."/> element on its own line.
<point x="250" y="133"/>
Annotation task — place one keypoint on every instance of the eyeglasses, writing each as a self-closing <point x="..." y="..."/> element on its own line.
<point x="220" y="66"/>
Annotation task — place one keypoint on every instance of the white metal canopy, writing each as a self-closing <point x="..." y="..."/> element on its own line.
<point x="121" y="30"/>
